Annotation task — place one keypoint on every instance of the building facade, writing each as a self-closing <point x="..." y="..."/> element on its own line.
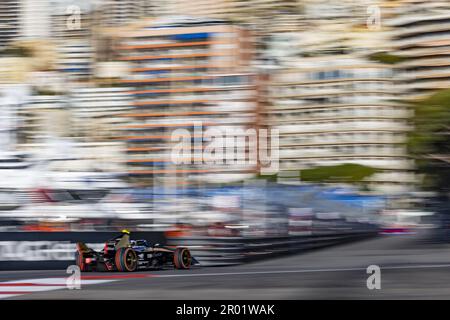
<point x="9" y="21"/>
<point x="420" y="32"/>
<point x="183" y="77"/>
<point x="332" y="104"/>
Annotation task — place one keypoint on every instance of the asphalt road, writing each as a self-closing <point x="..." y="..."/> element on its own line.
<point x="410" y="269"/>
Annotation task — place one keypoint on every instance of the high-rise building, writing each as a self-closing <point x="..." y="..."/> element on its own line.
<point x="338" y="109"/>
<point x="44" y="117"/>
<point x="71" y="29"/>
<point x="421" y="36"/>
<point x="36" y="19"/>
<point x="333" y="104"/>
<point x="70" y="22"/>
<point x="80" y="128"/>
<point x="186" y="75"/>
<point x="236" y="10"/>
<point x="122" y="12"/>
<point x="98" y="112"/>
<point x="9" y="21"/>
<point x="75" y="58"/>
<point x="262" y="16"/>
<point x="24" y="20"/>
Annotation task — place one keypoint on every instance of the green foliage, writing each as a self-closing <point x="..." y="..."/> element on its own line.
<point x="386" y="58"/>
<point x="429" y="143"/>
<point x="348" y="172"/>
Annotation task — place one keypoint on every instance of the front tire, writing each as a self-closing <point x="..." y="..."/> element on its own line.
<point x="182" y="258"/>
<point x="126" y="260"/>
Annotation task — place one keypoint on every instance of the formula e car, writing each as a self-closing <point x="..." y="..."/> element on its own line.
<point x="125" y="255"/>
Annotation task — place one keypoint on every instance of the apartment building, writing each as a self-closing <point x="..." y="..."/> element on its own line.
<point x="184" y="74"/>
<point x="332" y="103"/>
<point x="97" y="112"/>
<point x="9" y="21"/>
<point x="262" y="16"/>
<point x="24" y="20"/>
<point x="421" y="36"/>
<point x="36" y="19"/>
<point x="75" y="58"/>
<point x="338" y="110"/>
<point x="71" y="30"/>
<point x="44" y="117"/>
<point x="237" y="10"/>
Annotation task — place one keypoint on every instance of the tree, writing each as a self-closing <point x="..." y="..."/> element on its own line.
<point x="387" y="58"/>
<point x="429" y="143"/>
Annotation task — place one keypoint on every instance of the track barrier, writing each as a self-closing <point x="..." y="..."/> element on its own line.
<point x="222" y="251"/>
<point x="54" y="250"/>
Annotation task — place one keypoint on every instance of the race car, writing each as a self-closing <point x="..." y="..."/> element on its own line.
<point x="125" y="255"/>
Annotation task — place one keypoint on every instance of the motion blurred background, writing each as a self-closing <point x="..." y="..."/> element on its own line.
<point x="91" y="90"/>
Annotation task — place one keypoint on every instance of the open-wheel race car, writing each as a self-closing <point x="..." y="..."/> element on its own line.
<point x="125" y="255"/>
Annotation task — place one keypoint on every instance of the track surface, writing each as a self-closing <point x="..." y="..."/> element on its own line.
<point x="410" y="269"/>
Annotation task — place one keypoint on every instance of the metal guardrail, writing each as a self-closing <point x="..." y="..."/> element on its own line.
<point x="222" y="251"/>
<point x="54" y="250"/>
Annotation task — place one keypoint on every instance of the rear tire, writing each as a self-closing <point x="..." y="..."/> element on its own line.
<point x="182" y="258"/>
<point x="126" y="260"/>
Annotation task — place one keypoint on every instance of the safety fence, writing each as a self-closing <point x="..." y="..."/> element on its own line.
<point x="222" y="251"/>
